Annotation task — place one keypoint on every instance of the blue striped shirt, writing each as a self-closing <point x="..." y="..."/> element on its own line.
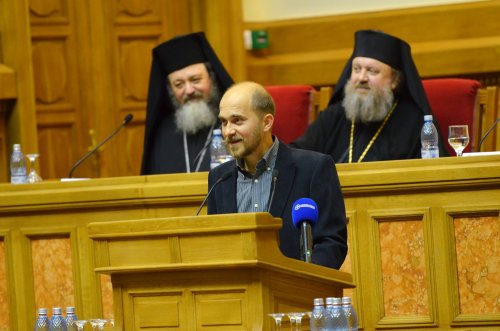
<point x="252" y="191"/>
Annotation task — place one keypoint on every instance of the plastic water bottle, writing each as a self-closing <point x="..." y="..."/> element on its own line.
<point x="350" y="314"/>
<point x="42" y="321"/>
<point x="429" y="139"/>
<point x="318" y="315"/>
<point x="218" y="151"/>
<point x="336" y="319"/>
<point x="57" y="322"/>
<point x="17" y="166"/>
<point x="71" y="318"/>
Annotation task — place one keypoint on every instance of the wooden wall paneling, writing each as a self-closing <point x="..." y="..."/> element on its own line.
<point x="8" y="94"/>
<point x="134" y="29"/>
<point x="222" y="22"/>
<point x="4" y="150"/>
<point x="92" y="62"/>
<point x="15" y="49"/>
<point x="20" y="279"/>
<point x="386" y="274"/>
<point x="444" y="42"/>
<point x="58" y="85"/>
<point x="351" y="263"/>
<point x="487" y="114"/>
<point x="450" y="202"/>
<point x="4" y="288"/>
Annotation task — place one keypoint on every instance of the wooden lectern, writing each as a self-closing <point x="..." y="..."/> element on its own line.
<point x="218" y="272"/>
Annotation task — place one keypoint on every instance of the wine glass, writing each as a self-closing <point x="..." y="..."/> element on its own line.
<point x="296" y="320"/>
<point x="33" y="176"/>
<point x="458" y="137"/>
<point x="80" y="324"/>
<point x="278" y="317"/>
<point x="97" y="324"/>
<point x="109" y="322"/>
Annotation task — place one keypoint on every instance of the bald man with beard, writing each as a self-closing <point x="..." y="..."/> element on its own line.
<point x="378" y="106"/>
<point x="267" y="175"/>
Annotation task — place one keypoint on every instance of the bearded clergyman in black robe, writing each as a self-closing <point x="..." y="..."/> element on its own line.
<point x="377" y="109"/>
<point x="186" y="83"/>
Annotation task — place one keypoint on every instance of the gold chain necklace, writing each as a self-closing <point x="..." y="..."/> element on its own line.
<point x="351" y="139"/>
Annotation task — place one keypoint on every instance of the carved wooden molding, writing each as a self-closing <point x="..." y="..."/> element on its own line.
<point x="8" y="83"/>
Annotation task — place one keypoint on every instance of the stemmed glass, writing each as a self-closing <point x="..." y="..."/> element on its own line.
<point x="33" y="176"/>
<point x="97" y="324"/>
<point x="278" y="317"/>
<point x="110" y="321"/>
<point x="80" y="324"/>
<point x="458" y="137"/>
<point x="296" y="319"/>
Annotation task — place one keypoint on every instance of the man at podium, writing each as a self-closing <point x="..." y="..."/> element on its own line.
<point x="267" y="175"/>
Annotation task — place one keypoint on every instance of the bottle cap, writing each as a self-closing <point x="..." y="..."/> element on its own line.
<point x="427" y="117"/>
<point x="42" y="311"/>
<point x="70" y="310"/>
<point x="346" y="300"/>
<point x="217" y="132"/>
<point x="329" y="300"/>
<point x="318" y="302"/>
<point x="56" y="311"/>
<point x="16" y="147"/>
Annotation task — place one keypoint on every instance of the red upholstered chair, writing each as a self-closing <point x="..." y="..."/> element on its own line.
<point x="293" y="107"/>
<point x="454" y="101"/>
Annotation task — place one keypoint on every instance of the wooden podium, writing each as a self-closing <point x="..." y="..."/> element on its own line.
<point x="215" y="272"/>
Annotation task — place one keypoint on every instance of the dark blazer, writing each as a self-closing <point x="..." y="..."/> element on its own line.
<point x="302" y="174"/>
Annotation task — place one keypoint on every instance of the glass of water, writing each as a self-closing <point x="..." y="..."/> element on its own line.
<point x="458" y="137"/>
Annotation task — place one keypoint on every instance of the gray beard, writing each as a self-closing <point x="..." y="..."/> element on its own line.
<point x="370" y="107"/>
<point x="194" y="116"/>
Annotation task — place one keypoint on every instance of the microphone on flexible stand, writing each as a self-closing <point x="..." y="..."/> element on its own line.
<point x="273" y="189"/>
<point x="304" y="216"/>
<point x="486" y="134"/>
<point x="125" y="121"/>
<point x="224" y="177"/>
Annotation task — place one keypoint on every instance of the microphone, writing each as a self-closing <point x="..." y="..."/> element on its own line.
<point x="271" y="197"/>
<point x="305" y="215"/>
<point x="486" y="134"/>
<point x="125" y="121"/>
<point x="224" y="177"/>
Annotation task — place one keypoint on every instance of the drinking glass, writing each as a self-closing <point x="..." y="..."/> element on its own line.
<point x="33" y="176"/>
<point x="109" y="322"/>
<point x="278" y="317"/>
<point x="80" y="324"/>
<point x="97" y="324"/>
<point x="458" y="137"/>
<point x="296" y="320"/>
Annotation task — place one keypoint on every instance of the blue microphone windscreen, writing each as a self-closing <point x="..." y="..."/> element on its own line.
<point x="304" y="209"/>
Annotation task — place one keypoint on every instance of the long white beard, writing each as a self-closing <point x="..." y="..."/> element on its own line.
<point x="370" y="107"/>
<point x="193" y="116"/>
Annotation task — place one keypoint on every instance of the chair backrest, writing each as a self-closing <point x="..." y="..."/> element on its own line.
<point x="321" y="99"/>
<point x="488" y="107"/>
<point x="455" y="101"/>
<point x="293" y="106"/>
<point x="296" y="107"/>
